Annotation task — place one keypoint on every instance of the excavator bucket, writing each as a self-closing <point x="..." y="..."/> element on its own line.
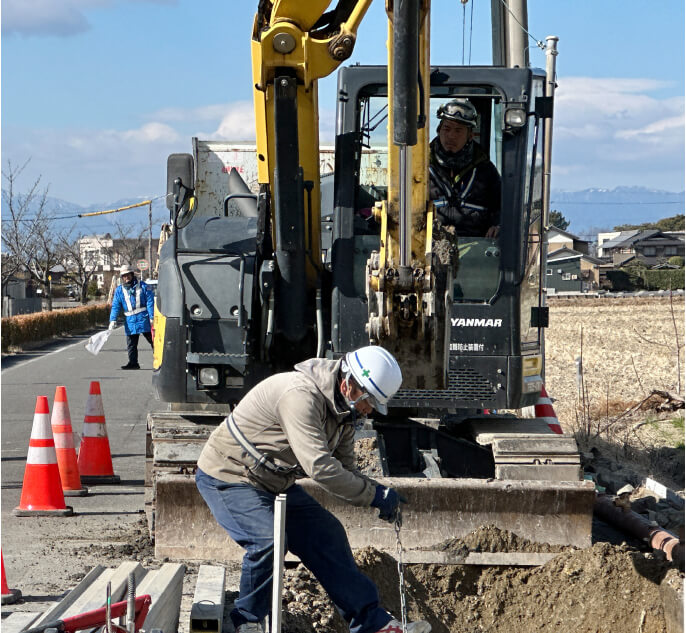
<point x="437" y="510"/>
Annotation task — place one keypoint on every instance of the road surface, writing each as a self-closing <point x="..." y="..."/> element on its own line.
<point x="39" y="551"/>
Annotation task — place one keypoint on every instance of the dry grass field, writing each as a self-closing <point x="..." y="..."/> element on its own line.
<point x="627" y="347"/>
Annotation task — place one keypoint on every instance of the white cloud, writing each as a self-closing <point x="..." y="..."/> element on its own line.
<point x="611" y="132"/>
<point x="62" y="18"/>
<point x="238" y="123"/>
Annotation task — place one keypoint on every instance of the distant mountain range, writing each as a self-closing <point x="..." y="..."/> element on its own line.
<point x="591" y="210"/>
<point x="588" y="211"/>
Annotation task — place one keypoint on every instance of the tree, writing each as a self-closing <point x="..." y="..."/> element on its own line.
<point x="27" y="235"/>
<point x="79" y="263"/>
<point x="130" y="243"/>
<point x="673" y="223"/>
<point x="558" y="220"/>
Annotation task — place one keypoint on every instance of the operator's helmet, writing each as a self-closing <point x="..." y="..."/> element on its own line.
<point x="378" y="374"/>
<point x="126" y="269"/>
<point x="459" y="110"/>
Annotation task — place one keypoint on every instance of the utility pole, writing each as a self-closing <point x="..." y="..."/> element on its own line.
<point x="509" y="26"/>
<point x="151" y="268"/>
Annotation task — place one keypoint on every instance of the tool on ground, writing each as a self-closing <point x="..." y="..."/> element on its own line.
<point x="95" y="459"/>
<point x="64" y="446"/>
<point x="131" y="604"/>
<point x="41" y="493"/>
<point x="98" y="618"/>
<point x="401" y="571"/>
<point x="277" y="578"/>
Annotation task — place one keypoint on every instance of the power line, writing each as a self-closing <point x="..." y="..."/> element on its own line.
<point x="539" y="43"/>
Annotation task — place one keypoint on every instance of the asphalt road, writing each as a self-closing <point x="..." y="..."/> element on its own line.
<point x="38" y="551"/>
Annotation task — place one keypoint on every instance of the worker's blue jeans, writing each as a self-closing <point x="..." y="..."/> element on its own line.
<point x="312" y="533"/>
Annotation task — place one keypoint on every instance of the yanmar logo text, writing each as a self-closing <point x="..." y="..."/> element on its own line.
<point x="476" y="322"/>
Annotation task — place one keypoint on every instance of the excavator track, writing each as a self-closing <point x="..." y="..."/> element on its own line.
<point x="536" y="493"/>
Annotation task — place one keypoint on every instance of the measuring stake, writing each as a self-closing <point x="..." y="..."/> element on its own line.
<point x="277" y="580"/>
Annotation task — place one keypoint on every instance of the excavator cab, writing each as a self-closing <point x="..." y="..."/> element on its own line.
<point x="497" y="312"/>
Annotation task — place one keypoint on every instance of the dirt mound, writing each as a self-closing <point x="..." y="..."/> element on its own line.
<point x="604" y="588"/>
<point x="490" y="538"/>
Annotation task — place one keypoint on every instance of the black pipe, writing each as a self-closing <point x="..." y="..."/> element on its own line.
<point x="405" y="70"/>
<point x="289" y="213"/>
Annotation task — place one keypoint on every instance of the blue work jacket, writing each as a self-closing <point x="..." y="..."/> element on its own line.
<point x="137" y="303"/>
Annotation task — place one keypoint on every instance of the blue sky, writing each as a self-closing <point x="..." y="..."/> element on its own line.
<point x="97" y="93"/>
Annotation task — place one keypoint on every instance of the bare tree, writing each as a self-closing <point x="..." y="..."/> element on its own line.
<point x="80" y="264"/>
<point x="27" y="235"/>
<point x="130" y="242"/>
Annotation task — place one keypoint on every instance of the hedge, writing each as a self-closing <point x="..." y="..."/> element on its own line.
<point x="18" y="331"/>
<point x="636" y="278"/>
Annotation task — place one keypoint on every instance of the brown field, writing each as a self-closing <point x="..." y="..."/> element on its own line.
<point x="628" y="347"/>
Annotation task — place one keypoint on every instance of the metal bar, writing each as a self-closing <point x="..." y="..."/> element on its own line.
<point x="404" y="202"/>
<point x="550" y="62"/>
<point x="277" y="579"/>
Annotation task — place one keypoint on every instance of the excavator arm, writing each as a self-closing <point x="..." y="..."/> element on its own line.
<point x="294" y="44"/>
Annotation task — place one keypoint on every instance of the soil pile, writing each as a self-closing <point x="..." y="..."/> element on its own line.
<point x="490" y="538"/>
<point x="602" y="589"/>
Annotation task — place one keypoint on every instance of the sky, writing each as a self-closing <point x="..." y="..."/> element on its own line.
<point x="97" y="93"/>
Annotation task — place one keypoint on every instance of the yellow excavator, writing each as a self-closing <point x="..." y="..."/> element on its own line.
<point x="313" y="264"/>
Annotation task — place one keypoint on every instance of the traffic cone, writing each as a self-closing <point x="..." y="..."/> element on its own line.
<point x="64" y="446"/>
<point x="41" y="493"/>
<point x="9" y="596"/>
<point x="95" y="459"/>
<point x="544" y="411"/>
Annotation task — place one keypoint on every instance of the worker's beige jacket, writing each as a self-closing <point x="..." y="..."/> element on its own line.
<point x="292" y="418"/>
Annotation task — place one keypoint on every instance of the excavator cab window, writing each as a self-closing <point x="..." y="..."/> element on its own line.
<point x="478" y="274"/>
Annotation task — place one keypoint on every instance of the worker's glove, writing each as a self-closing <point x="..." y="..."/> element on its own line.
<point x="113" y="324"/>
<point x="388" y="501"/>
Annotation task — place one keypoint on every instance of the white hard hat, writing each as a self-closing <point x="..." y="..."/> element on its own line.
<point x="126" y="269"/>
<point x="377" y="372"/>
<point x="459" y="110"/>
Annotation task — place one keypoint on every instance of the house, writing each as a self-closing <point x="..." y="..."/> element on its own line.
<point x="110" y="254"/>
<point x="569" y="270"/>
<point x="650" y="246"/>
<point x="557" y="239"/>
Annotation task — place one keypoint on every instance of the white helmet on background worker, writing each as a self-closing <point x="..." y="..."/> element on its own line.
<point x="377" y="373"/>
<point x="458" y="110"/>
<point x="126" y="269"/>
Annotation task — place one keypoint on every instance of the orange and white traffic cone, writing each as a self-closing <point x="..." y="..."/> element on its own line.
<point x="64" y="446"/>
<point x="41" y="493"/>
<point x="544" y="411"/>
<point x="95" y="459"/>
<point x="9" y="596"/>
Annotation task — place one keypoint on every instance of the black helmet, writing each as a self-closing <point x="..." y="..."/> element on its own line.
<point x="459" y="110"/>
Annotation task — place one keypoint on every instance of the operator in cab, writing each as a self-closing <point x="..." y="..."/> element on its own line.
<point x="464" y="183"/>
<point x="292" y="425"/>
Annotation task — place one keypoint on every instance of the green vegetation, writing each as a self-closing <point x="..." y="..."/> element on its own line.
<point x="638" y="277"/>
<point x="558" y="220"/>
<point x="676" y="260"/>
<point x="674" y="223"/>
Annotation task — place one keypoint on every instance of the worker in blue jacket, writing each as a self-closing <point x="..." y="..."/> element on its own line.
<point x="137" y="302"/>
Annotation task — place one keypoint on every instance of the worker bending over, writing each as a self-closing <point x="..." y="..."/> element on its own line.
<point x="292" y="425"/>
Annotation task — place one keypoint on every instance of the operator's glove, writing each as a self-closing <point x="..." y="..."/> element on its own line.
<point x="388" y="501"/>
<point x="113" y="324"/>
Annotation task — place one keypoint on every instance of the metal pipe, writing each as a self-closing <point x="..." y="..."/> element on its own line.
<point x="131" y="604"/>
<point x="404" y="202"/>
<point x="517" y="21"/>
<point x="277" y="578"/>
<point x="320" y="323"/>
<point x="550" y="63"/>
<point x="636" y="525"/>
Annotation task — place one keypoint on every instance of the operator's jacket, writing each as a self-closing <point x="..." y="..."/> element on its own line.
<point x="471" y="195"/>
<point x="138" y="311"/>
<point x="295" y="420"/>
